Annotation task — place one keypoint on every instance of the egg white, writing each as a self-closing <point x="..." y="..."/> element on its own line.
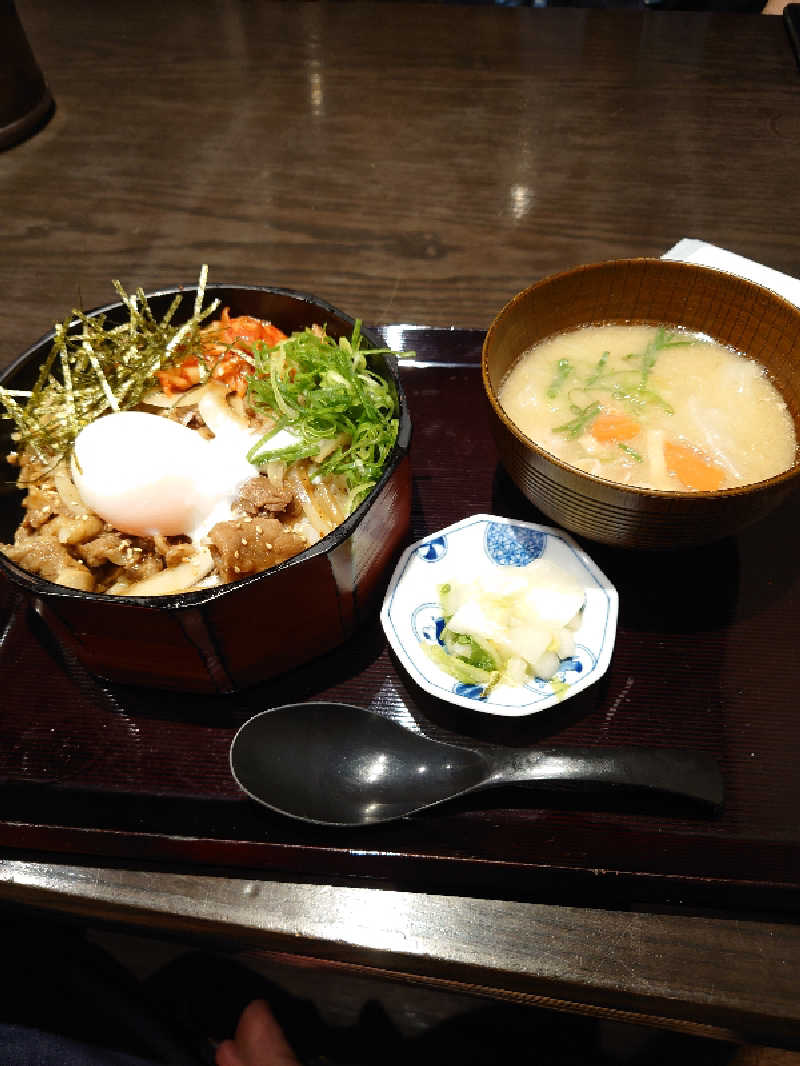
<point x="146" y="475"/>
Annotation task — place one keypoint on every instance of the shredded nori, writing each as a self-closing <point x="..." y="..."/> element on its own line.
<point x="320" y="388"/>
<point x="94" y="368"/>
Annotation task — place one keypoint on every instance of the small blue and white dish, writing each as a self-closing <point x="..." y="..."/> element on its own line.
<point x="412" y="615"/>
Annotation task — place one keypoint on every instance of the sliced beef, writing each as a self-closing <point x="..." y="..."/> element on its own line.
<point x="110" y="547"/>
<point x="259" y="495"/>
<point x="249" y="545"/>
<point x="49" y="559"/>
<point x="174" y="550"/>
<point x="71" y="529"/>
<point x="40" y="503"/>
<point x="114" y="555"/>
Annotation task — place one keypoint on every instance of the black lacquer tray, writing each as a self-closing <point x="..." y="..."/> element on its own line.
<point x="705" y="658"/>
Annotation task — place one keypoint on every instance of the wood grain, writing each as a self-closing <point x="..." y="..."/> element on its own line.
<point x="406" y="162"/>
<point x="580" y="960"/>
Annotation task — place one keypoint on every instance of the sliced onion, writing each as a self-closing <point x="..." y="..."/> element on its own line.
<point x="276" y="471"/>
<point x="337" y="487"/>
<point x="174" y="579"/>
<point x="302" y="491"/>
<point x="324" y="494"/>
<point x="303" y="528"/>
<point x="216" y="412"/>
<point x="329" y="445"/>
<point x="69" y="494"/>
<point x="156" y="398"/>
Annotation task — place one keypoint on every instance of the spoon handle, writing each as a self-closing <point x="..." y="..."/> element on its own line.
<point x="692" y="775"/>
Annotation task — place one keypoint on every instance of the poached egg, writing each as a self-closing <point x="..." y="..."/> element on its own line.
<point x="146" y="475"/>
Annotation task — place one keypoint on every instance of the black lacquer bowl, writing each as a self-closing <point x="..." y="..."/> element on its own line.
<point x="733" y="311"/>
<point x="235" y="635"/>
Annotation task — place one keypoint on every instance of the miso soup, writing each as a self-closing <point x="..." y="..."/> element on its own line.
<point x="655" y="407"/>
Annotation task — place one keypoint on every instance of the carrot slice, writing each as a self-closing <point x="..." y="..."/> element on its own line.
<point x="614" y="425"/>
<point x="692" y="468"/>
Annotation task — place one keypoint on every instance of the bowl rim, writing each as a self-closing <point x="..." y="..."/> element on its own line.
<point x="635" y="490"/>
<point x="188" y="600"/>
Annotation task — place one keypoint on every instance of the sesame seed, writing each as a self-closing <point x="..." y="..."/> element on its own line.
<point x="244" y="541"/>
<point x="236" y="570"/>
<point x="236" y="554"/>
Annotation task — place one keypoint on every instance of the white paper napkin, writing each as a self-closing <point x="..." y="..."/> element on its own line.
<point x="690" y="250"/>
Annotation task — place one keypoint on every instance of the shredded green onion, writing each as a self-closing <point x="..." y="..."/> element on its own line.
<point x="324" y="392"/>
<point x="636" y="456"/>
<point x="630" y="387"/>
<point x="563" y="369"/>
<point x="577" y="425"/>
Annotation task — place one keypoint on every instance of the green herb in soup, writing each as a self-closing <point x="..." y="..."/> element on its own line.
<point x="651" y="406"/>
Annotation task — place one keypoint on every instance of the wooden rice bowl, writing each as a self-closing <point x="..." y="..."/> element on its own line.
<point x="232" y="636"/>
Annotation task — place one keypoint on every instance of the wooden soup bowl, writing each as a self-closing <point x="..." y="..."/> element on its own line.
<point x="731" y="310"/>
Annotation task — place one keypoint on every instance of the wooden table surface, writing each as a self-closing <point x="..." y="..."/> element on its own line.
<point x="408" y="163"/>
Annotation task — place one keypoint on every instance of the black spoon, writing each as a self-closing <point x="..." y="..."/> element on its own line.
<point x="338" y="765"/>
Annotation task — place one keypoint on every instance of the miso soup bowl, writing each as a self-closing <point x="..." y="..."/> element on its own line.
<point x="230" y="637"/>
<point x="733" y="311"/>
